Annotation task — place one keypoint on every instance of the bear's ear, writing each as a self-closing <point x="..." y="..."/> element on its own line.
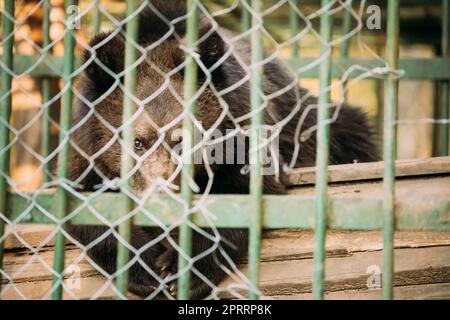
<point x="211" y="50"/>
<point x="109" y="50"/>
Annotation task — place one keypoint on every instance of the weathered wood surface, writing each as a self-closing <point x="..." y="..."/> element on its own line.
<point x="24" y="236"/>
<point x="422" y="266"/>
<point x="422" y="259"/>
<point x="350" y="271"/>
<point x="406" y="190"/>
<point x="435" y="291"/>
<point x="372" y="170"/>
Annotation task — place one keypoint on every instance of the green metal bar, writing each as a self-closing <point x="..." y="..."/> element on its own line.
<point x="346" y="26"/>
<point x="444" y="85"/>
<point x="46" y="96"/>
<point x="96" y="18"/>
<point x="245" y="18"/>
<point x="379" y="94"/>
<point x="5" y="113"/>
<point x="63" y="158"/>
<point x="294" y="26"/>
<point x="415" y="68"/>
<point x="347" y="212"/>
<point x="323" y="135"/>
<point x="126" y="166"/>
<point x="190" y="88"/>
<point x="390" y="148"/>
<point x="255" y="157"/>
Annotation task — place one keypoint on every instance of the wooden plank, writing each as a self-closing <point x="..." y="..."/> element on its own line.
<point x="38" y="290"/>
<point x="32" y="279"/>
<point x="412" y="267"/>
<point x="284" y="245"/>
<point x="90" y="287"/>
<point x="407" y="191"/>
<point x="371" y="170"/>
<point x="29" y="266"/>
<point x="31" y="274"/>
<point x="286" y="263"/>
<point x="23" y="236"/>
<point x="435" y="291"/>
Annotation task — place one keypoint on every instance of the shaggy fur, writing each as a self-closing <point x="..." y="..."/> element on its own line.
<point x="350" y="137"/>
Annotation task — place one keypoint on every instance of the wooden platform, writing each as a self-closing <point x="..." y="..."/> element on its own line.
<point x="422" y="266"/>
<point x="422" y="259"/>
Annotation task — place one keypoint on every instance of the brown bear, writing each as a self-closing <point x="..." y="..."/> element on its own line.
<point x="224" y="103"/>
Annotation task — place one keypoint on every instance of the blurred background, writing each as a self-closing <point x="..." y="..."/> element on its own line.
<point x="420" y="29"/>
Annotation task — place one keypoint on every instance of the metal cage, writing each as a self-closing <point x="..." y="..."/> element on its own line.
<point x="256" y="211"/>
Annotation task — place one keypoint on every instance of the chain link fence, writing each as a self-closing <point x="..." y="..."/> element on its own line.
<point x="144" y="110"/>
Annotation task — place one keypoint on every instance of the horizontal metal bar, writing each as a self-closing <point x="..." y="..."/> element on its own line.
<point x="348" y="212"/>
<point x="415" y="68"/>
<point x="378" y="2"/>
<point x="41" y="66"/>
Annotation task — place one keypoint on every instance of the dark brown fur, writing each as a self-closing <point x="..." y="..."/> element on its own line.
<point x="350" y="137"/>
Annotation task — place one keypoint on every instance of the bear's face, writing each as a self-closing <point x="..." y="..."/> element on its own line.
<point x="157" y="128"/>
<point x="159" y="112"/>
<point x="158" y="132"/>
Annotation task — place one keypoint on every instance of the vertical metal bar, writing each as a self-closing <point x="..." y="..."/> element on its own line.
<point x="46" y="96"/>
<point x="346" y="25"/>
<point x="5" y="113"/>
<point x="61" y="196"/>
<point x="257" y="120"/>
<point x="444" y="85"/>
<point x="390" y="148"/>
<point x="294" y="26"/>
<point x="97" y="18"/>
<point x="126" y="165"/>
<point x="190" y="88"/>
<point x="245" y="18"/>
<point x="379" y="94"/>
<point x="323" y="135"/>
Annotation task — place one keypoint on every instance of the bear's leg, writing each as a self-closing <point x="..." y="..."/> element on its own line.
<point x="104" y="253"/>
<point x="233" y="242"/>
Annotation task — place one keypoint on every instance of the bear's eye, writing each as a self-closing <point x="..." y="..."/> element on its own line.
<point x="138" y="145"/>
<point x="177" y="138"/>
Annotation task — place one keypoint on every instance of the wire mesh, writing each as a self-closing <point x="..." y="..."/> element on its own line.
<point x="154" y="137"/>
